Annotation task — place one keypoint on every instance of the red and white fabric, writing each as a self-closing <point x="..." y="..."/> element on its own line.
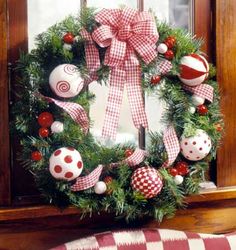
<point x="126" y="33"/>
<point x="88" y="181"/>
<point x="76" y="111"/>
<point x="172" y="146"/>
<point x="136" y="158"/>
<point x="203" y="90"/>
<point x="164" y="66"/>
<point x="152" y="239"/>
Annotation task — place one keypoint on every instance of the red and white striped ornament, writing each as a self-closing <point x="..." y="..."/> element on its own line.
<point x="65" y="80"/>
<point x="147" y="181"/>
<point x="65" y="164"/>
<point x="194" y="69"/>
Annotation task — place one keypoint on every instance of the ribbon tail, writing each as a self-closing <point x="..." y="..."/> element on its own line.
<point x="135" y="96"/>
<point x="88" y="181"/>
<point x="136" y="158"/>
<point x="203" y="90"/>
<point x="172" y="146"/>
<point x="115" y="96"/>
<point x="76" y="112"/>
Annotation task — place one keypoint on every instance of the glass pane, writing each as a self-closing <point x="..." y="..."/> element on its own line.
<point x="126" y="131"/>
<point x="178" y="14"/>
<point x="44" y="13"/>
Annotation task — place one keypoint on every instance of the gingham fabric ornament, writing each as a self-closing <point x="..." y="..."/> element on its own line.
<point x="65" y="164"/>
<point x="193" y="69"/>
<point x="147" y="181"/>
<point x="65" y="81"/>
<point x="88" y="181"/>
<point x="196" y="147"/>
<point x="126" y="33"/>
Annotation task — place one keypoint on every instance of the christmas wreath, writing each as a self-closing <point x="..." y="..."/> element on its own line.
<point x="125" y="48"/>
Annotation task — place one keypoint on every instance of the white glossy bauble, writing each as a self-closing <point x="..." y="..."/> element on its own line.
<point x="192" y="110"/>
<point x="196" y="147"/>
<point x="100" y="187"/>
<point x="65" y="81"/>
<point x="67" y="46"/>
<point x="57" y="127"/>
<point x="162" y="48"/>
<point x="197" y="100"/>
<point x="65" y="164"/>
<point x="178" y="179"/>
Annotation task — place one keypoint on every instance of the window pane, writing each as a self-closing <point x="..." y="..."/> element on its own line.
<point x="44" y="13"/>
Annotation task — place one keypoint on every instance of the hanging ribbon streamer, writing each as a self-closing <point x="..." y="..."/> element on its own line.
<point x="92" y="56"/>
<point x="85" y="182"/>
<point x="172" y="146"/>
<point x="125" y="32"/>
<point x="76" y="111"/>
<point x="203" y="90"/>
<point x="136" y="158"/>
<point x="164" y="67"/>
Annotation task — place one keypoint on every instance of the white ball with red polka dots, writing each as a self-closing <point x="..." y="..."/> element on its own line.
<point x="196" y="147"/>
<point x="65" y="164"/>
<point x="147" y="181"/>
<point x="65" y="80"/>
<point x="194" y="69"/>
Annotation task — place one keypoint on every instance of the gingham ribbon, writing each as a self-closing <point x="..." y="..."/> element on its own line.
<point x="76" y="112"/>
<point x="125" y="32"/>
<point x="203" y="90"/>
<point x="172" y="146"/>
<point x="164" y="67"/>
<point x="136" y="158"/>
<point x="91" y="54"/>
<point x="88" y="181"/>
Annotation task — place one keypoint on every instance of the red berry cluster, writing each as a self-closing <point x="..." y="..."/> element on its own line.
<point x="180" y="168"/>
<point x="68" y="38"/>
<point x="202" y="109"/>
<point x="170" y="42"/>
<point x="45" y="120"/>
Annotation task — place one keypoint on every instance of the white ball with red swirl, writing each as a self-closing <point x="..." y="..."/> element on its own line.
<point x="147" y="181"/>
<point x="65" y="164"/>
<point x="194" y="69"/>
<point x="196" y="147"/>
<point x="65" y="81"/>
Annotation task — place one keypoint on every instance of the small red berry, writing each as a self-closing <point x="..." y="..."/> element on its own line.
<point x="155" y="79"/>
<point x="218" y="127"/>
<point x="170" y="42"/>
<point x="128" y="152"/>
<point x="108" y="179"/>
<point x="68" y="38"/>
<point x="36" y="156"/>
<point x="173" y="171"/>
<point x="43" y="132"/>
<point x="202" y="109"/>
<point x="182" y="168"/>
<point x="169" y="55"/>
<point x="45" y="119"/>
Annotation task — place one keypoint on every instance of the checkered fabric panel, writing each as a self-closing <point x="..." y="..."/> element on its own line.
<point x="136" y="158"/>
<point x="203" y="90"/>
<point x="152" y="239"/>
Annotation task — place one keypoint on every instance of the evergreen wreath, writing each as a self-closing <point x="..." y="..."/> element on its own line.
<point x="132" y="183"/>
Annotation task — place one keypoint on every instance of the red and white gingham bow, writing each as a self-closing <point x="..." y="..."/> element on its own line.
<point x="76" y="111"/>
<point x="172" y="146"/>
<point x="88" y="181"/>
<point x="126" y="33"/>
<point x="92" y="56"/>
<point x="203" y="90"/>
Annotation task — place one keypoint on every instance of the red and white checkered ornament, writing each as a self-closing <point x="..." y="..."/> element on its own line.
<point x="65" y="164"/>
<point x="147" y="181"/>
<point x="196" y="147"/>
<point x="65" y="81"/>
<point x="193" y="69"/>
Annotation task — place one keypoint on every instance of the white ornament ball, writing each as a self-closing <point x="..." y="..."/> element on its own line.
<point x="197" y="100"/>
<point x="162" y="48"/>
<point x="193" y="69"/>
<point x="67" y="46"/>
<point x="57" y="127"/>
<point x="196" y="147"/>
<point x="100" y="187"/>
<point x="65" y="164"/>
<point x="65" y="81"/>
<point x="178" y="179"/>
<point x="192" y="110"/>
